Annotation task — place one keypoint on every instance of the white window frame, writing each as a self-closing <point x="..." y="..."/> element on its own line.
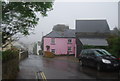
<point x="52" y="50"/>
<point x="53" y="41"/>
<point x="69" y="41"/>
<point x="69" y="48"/>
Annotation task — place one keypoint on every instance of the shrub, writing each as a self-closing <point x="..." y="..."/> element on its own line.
<point x="40" y="52"/>
<point x="114" y="43"/>
<point x="10" y="54"/>
<point x="10" y="59"/>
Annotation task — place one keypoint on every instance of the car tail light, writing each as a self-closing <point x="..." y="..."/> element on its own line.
<point x="118" y="58"/>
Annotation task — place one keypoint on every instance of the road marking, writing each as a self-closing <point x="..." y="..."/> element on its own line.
<point x="40" y="73"/>
<point x="36" y="75"/>
<point x="43" y="76"/>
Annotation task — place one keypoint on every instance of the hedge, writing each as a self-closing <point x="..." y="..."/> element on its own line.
<point x="10" y="63"/>
<point x="10" y="54"/>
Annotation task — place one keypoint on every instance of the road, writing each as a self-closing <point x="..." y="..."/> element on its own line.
<point x="59" y="69"/>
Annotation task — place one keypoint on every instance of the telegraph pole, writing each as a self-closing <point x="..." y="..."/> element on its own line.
<point x="42" y="34"/>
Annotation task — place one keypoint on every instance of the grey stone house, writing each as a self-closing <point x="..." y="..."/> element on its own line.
<point x="91" y="33"/>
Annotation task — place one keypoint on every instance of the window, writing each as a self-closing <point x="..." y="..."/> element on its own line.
<point x="69" y="49"/>
<point x="84" y="52"/>
<point x="52" y="40"/>
<point x="69" y="41"/>
<point x="90" y="52"/>
<point x="53" y="50"/>
<point x="101" y="52"/>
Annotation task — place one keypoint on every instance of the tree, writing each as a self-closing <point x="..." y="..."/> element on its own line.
<point x="115" y="31"/>
<point x="20" y="17"/>
<point x="114" y="45"/>
<point x="60" y="27"/>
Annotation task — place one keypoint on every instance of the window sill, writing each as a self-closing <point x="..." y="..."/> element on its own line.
<point x="52" y="44"/>
<point x="69" y="51"/>
<point x="69" y="43"/>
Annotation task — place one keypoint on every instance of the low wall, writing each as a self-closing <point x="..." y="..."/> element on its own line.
<point x="23" y="55"/>
<point x="48" y="54"/>
<point x="10" y="69"/>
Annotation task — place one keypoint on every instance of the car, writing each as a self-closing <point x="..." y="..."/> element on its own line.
<point x="98" y="58"/>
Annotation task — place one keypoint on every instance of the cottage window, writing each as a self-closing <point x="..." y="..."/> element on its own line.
<point x="69" y="41"/>
<point x="69" y="49"/>
<point x="52" y="40"/>
<point x="53" y="50"/>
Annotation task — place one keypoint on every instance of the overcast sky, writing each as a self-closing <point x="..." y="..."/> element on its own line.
<point x="68" y="12"/>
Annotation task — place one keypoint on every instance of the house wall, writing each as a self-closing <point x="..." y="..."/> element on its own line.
<point x="38" y="49"/>
<point x="61" y="45"/>
<point x="78" y="46"/>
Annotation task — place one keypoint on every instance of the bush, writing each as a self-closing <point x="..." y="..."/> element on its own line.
<point x="10" y="54"/>
<point x="114" y="43"/>
<point x="40" y="52"/>
<point x="10" y="59"/>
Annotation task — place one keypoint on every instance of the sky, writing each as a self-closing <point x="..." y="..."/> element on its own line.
<point x="69" y="11"/>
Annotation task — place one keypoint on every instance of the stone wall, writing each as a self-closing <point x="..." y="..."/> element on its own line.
<point x="23" y="55"/>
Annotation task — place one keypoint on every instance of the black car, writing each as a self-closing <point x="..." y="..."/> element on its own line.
<point x="99" y="58"/>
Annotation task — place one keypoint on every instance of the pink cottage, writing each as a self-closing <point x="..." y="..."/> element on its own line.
<point x="60" y="43"/>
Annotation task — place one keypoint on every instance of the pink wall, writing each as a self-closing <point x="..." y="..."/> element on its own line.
<point x="61" y="45"/>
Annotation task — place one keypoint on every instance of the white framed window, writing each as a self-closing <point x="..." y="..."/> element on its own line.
<point x="69" y="49"/>
<point x="69" y="41"/>
<point x="52" y="40"/>
<point x="53" y="50"/>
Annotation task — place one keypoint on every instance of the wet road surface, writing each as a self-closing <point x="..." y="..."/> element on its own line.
<point x="59" y="69"/>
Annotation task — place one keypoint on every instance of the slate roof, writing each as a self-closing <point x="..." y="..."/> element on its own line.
<point x="94" y="41"/>
<point x="65" y="34"/>
<point x="99" y="26"/>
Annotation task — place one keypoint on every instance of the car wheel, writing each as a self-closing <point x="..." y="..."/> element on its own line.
<point x="99" y="67"/>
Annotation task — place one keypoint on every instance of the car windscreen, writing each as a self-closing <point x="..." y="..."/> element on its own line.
<point x="101" y="52"/>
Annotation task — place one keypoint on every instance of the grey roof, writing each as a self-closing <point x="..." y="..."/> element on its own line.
<point x="53" y="34"/>
<point x="94" y="41"/>
<point x="67" y="33"/>
<point x="100" y="26"/>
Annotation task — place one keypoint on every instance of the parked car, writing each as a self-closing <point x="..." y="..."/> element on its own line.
<point x="99" y="58"/>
